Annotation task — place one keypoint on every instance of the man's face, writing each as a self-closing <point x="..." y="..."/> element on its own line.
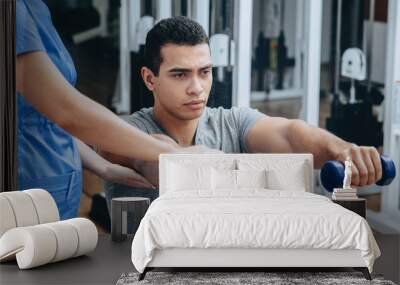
<point x="184" y="81"/>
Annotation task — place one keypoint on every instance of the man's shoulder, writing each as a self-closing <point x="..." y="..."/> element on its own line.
<point x="142" y="119"/>
<point x="144" y="112"/>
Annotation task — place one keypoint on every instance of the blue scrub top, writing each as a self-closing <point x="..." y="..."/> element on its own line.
<point x="48" y="157"/>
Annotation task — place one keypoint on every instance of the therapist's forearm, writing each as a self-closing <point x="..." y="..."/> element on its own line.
<point x="91" y="160"/>
<point x="40" y="82"/>
<point x="105" y="130"/>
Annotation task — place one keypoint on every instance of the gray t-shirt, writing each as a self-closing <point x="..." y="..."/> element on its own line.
<point x="218" y="128"/>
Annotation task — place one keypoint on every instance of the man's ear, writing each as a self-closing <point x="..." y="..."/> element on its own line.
<point x="148" y="77"/>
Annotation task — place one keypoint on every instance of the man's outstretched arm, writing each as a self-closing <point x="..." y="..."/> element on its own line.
<point x="280" y="135"/>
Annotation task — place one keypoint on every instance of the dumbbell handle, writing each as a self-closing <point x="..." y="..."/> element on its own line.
<point x="332" y="173"/>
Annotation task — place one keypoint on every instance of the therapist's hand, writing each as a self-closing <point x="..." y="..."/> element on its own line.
<point x="109" y="170"/>
<point x="127" y="176"/>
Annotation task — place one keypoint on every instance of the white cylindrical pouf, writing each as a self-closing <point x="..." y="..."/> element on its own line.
<point x="7" y="217"/>
<point x="23" y="207"/>
<point x="45" y="205"/>
<point x="67" y="239"/>
<point x="87" y="235"/>
<point x="33" y="246"/>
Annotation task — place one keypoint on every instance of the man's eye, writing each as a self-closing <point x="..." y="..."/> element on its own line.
<point x="179" y="75"/>
<point x="206" y="72"/>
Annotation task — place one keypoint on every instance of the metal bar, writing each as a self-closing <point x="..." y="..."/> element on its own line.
<point x="337" y="48"/>
<point x="124" y="60"/>
<point x="391" y="195"/>
<point x="87" y="35"/>
<point x="273" y="95"/>
<point x="133" y="15"/>
<point x="129" y="16"/>
<point x="369" y="40"/>
<point x="189" y="8"/>
<point x="242" y="37"/>
<point x="201" y="13"/>
<point x="299" y="49"/>
<point x="312" y="31"/>
<point x="164" y="9"/>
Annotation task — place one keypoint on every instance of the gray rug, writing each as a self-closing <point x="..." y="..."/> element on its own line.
<point x="230" y="278"/>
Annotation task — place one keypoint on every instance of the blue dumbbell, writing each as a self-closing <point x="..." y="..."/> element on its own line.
<point x="332" y="173"/>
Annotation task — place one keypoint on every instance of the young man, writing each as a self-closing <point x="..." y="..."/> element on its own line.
<point x="178" y="72"/>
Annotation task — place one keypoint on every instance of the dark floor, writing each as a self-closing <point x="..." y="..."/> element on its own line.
<point x="389" y="263"/>
<point x="95" y="268"/>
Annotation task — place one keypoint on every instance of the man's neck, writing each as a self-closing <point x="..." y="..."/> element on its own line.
<point x="182" y="131"/>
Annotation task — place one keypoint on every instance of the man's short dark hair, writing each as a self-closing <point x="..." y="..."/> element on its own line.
<point x="177" y="30"/>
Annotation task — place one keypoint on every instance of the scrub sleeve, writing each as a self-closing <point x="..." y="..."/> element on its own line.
<point x="48" y="157"/>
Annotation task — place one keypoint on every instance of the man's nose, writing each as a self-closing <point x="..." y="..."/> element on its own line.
<point x="195" y="87"/>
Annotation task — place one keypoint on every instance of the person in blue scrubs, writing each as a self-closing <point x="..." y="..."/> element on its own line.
<point x="51" y="112"/>
<point x="47" y="155"/>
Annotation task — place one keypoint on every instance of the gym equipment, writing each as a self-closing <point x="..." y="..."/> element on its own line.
<point x="271" y="59"/>
<point x="354" y="67"/>
<point x="353" y="120"/>
<point x="221" y="47"/>
<point x="332" y="173"/>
